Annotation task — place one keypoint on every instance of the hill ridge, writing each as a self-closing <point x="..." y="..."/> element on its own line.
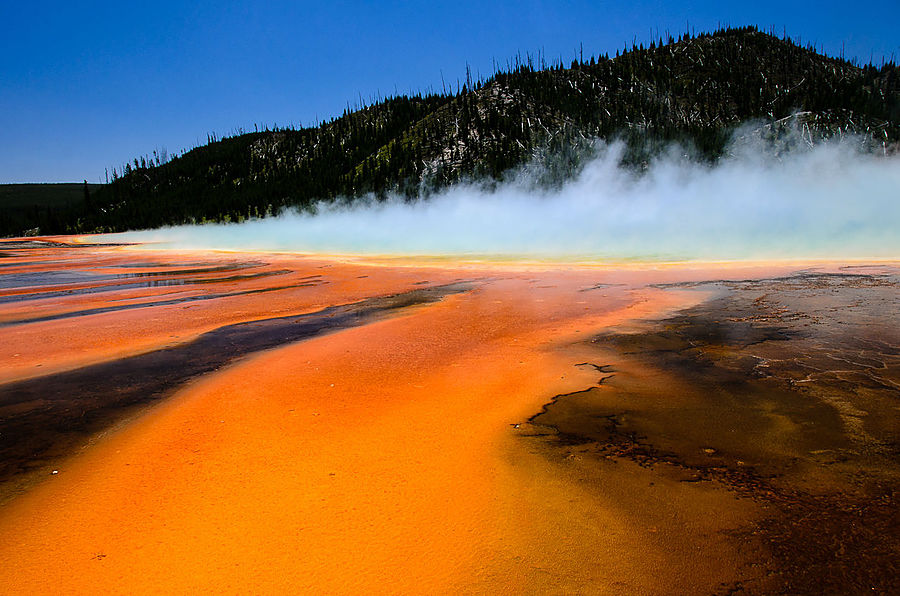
<point x="694" y="90"/>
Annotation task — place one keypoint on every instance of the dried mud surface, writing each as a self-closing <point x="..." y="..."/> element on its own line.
<point x="784" y="391"/>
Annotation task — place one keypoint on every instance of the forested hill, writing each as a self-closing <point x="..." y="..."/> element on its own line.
<point x="694" y="90"/>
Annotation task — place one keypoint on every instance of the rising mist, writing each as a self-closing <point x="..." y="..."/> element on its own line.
<point x="823" y="201"/>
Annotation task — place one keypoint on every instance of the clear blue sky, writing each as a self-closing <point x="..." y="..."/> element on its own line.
<point x="89" y="85"/>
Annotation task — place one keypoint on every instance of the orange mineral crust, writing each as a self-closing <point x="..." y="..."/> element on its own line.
<point x="71" y="324"/>
<point x="396" y="454"/>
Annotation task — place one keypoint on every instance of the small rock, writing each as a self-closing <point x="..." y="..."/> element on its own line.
<point x="54" y="472"/>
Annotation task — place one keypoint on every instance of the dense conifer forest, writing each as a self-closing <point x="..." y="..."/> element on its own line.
<point x="693" y="90"/>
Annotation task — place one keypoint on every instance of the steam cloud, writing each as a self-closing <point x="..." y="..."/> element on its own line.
<point x="826" y="201"/>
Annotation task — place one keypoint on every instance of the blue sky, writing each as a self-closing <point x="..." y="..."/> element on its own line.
<point x="89" y="85"/>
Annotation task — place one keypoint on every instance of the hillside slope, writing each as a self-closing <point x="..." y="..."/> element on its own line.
<point x="24" y="206"/>
<point x="694" y="90"/>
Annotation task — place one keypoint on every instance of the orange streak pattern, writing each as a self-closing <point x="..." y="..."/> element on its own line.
<point x="381" y="458"/>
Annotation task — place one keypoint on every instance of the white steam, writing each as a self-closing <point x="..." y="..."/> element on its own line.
<point x="828" y="201"/>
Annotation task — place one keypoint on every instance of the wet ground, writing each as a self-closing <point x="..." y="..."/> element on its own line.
<point x="43" y="418"/>
<point x="274" y="423"/>
<point x="785" y="391"/>
<point x="47" y="415"/>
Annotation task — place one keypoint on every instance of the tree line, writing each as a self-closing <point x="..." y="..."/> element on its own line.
<point x="693" y="90"/>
